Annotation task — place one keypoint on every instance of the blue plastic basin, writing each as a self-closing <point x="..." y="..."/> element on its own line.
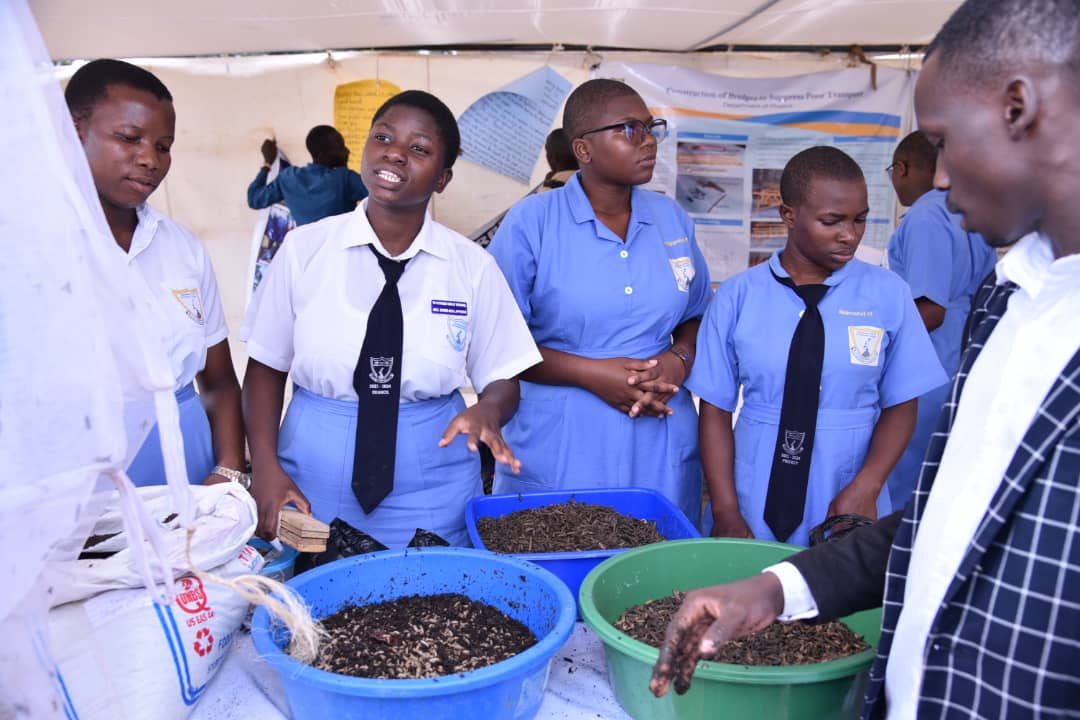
<point x="281" y="567"/>
<point x="572" y="567"/>
<point x="509" y="689"/>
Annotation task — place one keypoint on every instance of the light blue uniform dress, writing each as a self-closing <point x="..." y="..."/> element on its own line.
<point x="584" y="291"/>
<point x="877" y="354"/>
<point x="309" y="316"/>
<point x="944" y="264"/>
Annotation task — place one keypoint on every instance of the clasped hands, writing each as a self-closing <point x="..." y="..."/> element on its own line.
<point x="639" y="387"/>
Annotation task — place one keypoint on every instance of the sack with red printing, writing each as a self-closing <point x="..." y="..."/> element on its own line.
<point x="121" y="656"/>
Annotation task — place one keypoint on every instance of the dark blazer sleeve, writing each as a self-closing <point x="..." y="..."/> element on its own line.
<point x="848" y="574"/>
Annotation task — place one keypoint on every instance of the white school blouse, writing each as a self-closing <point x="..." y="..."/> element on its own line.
<point x="183" y="290"/>
<point x="309" y="314"/>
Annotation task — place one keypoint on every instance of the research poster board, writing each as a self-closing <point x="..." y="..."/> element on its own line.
<point x="729" y="139"/>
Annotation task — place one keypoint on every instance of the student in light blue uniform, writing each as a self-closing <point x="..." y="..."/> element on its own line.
<point x="613" y="285"/>
<point x="309" y="319"/>
<point x="944" y="265"/>
<point x="878" y="359"/>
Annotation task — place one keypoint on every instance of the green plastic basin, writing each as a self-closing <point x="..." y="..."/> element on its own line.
<point x="823" y="691"/>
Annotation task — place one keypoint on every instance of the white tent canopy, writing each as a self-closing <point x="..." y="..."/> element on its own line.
<point x="119" y="28"/>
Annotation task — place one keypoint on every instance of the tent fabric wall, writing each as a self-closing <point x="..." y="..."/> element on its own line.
<point x="226" y="106"/>
<point x="77" y="29"/>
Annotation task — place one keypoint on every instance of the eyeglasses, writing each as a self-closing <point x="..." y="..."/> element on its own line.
<point x="635" y="130"/>
<point x="889" y="170"/>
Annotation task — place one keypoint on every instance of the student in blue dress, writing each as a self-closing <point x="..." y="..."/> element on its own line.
<point x="830" y="355"/>
<point x="944" y="265"/>
<point x="125" y="119"/>
<point x="613" y="285"/>
<point x="380" y="315"/>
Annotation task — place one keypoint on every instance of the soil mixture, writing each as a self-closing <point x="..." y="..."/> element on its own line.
<point x="565" y="527"/>
<point x="781" y="643"/>
<point x="419" y="636"/>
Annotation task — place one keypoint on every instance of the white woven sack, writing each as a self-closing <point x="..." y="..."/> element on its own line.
<point x="225" y="519"/>
<point x="120" y="656"/>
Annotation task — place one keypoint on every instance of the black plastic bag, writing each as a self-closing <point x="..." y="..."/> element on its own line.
<point x="344" y="541"/>
<point x="426" y="538"/>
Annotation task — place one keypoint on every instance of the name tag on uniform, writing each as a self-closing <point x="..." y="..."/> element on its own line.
<point x="449" y="307"/>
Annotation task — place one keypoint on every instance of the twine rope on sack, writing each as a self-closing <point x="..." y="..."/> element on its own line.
<point x="284" y="605"/>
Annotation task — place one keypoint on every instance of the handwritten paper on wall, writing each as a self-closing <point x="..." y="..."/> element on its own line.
<point x="354" y="104"/>
<point x="505" y="130"/>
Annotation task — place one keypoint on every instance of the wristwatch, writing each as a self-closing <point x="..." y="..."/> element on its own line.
<point x="244" y="479"/>
<point x="681" y="355"/>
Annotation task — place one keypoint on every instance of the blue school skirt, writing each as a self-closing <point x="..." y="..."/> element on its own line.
<point x="841" y="441"/>
<point x="148" y="467"/>
<point x="431" y="484"/>
<point x="569" y="439"/>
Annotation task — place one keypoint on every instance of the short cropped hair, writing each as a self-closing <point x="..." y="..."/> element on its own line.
<point x="560" y="154"/>
<point x="589" y="98"/>
<point x="436" y="108"/>
<point x="89" y="85"/>
<point x="822" y="162"/>
<point x="984" y="39"/>
<point x="320" y="139"/>
<point x="917" y="151"/>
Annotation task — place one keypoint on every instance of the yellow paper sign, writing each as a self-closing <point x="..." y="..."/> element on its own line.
<point x="354" y="104"/>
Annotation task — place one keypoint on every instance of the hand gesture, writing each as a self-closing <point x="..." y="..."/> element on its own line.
<point x="708" y="618"/>
<point x="272" y="490"/>
<point x="480" y="423"/>
<point x="661" y="380"/>
<point x="269" y="151"/>
<point x="611" y="383"/>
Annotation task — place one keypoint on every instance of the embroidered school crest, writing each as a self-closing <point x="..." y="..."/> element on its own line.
<point x="683" y="268"/>
<point x="191" y="301"/>
<point x="792" y="448"/>
<point x="864" y="341"/>
<point x="455" y="333"/>
<point x="382" y="369"/>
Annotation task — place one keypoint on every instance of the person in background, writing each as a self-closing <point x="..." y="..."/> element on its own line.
<point x="380" y="316"/>
<point x="322" y="188"/>
<point x="126" y="122"/>
<point x="980" y="573"/>
<point x="943" y="264"/>
<point x="612" y="284"/>
<point x="560" y="158"/>
<point x="829" y="355"/>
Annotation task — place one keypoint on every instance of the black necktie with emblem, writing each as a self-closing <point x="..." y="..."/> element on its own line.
<point x="377" y="381"/>
<point x="786" y="500"/>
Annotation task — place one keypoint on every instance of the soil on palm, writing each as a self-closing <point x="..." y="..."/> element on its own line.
<point x="565" y="527"/>
<point x="419" y="636"/>
<point x="781" y="643"/>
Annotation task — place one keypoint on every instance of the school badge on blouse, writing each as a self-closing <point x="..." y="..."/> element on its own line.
<point x="864" y="341"/>
<point x="683" y="268"/>
<point x="455" y="333"/>
<point x="191" y="301"/>
<point x="382" y="369"/>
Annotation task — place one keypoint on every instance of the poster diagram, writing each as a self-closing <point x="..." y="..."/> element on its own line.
<point x="729" y="139"/>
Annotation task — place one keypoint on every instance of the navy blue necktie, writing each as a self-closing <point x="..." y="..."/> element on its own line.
<point x="785" y="502"/>
<point x="377" y="381"/>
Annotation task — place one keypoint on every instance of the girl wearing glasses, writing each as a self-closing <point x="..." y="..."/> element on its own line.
<point x="612" y="284"/>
